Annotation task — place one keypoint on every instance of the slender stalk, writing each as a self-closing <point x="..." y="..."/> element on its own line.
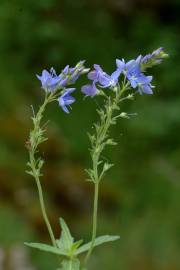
<point x="94" y="229"/>
<point x="43" y="209"/>
<point x="35" y="164"/>
<point x="101" y="135"/>
<point x="42" y="205"/>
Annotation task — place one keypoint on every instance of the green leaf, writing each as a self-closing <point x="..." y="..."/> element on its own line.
<point x="46" y="248"/>
<point x="30" y="172"/>
<point x="73" y="264"/>
<point x="111" y="142"/>
<point x="98" y="241"/>
<point x="106" y="167"/>
<point x="76" y="245"/>
<point x="66" y="240"/>
<point x="90" y="173"/>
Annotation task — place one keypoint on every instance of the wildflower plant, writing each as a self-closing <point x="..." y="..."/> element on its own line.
<point x="128" y="79"/>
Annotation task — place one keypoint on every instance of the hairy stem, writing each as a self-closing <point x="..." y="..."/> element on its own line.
<point x="94" y="229"/>
<point x="98" y="144"/>
<point x="35" y="164"/>
<point x="42" y="204"/>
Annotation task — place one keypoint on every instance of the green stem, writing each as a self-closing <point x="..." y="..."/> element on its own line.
<point x="94" y="229"/>
<point x="96" y="153"/>
<point x="34" y="142"/>
<point x="43" y="209"/>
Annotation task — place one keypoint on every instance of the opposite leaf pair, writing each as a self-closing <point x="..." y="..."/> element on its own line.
<point x="68" y="249"/>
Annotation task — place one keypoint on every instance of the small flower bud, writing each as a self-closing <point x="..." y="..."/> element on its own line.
<point x="115" y="89"/>
<point x="130" y="96"/>
<point x="124" y="115"/>
<point x="111" y="142"/>
<point x="85" y="70"/>
<point x="155" y="58"/>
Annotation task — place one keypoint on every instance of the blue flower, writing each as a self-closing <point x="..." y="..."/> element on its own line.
<point x="101" y="77"/>
<point x="65" y="70"/>
<point x="136" y="78"/>
<point x="154" y="58"/>
<point x="90" y="89"/>
<point x="69" y="75"/>
<point x="129" y="66"/>
<point x="133" y="74"/>
<point x="49" y="80"/>
<point x="144" y="85"/>
<point x="66" y="100"/>
<point x="97" y="74"/>
<point x="77" y="71"/>
<point x="110" y="80"/>
<point x="64" y="81"/>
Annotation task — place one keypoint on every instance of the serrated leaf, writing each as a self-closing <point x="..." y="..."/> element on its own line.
<point x="98" y="241"/>
<point x="73" y="264"/>
<point x="66" y="240"/>
<point x="47" y="248"/>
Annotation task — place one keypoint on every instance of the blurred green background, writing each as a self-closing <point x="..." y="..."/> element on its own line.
<point x="140" y="197"/>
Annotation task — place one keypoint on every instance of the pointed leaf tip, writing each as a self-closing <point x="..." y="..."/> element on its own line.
<point x="98" y="241"/>
<point x="47" y="248"/>
<point x="66" y="240"/>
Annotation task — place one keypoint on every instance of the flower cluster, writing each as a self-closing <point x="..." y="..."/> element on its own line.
<point x="127" y="75"/>
<point x="66" y="100"/>
<point x="51" y="82"/>
<point x="99" y="76"/>
<point x="137" y="79"/>
<point x="133" y="72"/>
<point x="152" y="59"/>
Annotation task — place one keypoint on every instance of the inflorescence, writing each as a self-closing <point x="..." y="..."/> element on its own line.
<point x="133" y="71"/>
<point x="127" y="75"/>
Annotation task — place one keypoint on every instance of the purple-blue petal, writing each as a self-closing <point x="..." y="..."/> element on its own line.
<point x="63" y="82"/>
<point x="104" y="80"/>
<point x="66" y="100"/>
<point x="145" y="89"/>
<point x="115" y="75"/>
<point x="89" y="90"/>
<point x="98" y="68"/>
<point x="65" y="70"/>
<point x="120" y="64"/>
<point x="92" y="75"/>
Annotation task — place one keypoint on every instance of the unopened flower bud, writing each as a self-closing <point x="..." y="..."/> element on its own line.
<point x="124" y="115"/>
<point x="85" y="70"/>
<point x="130" y="96"/>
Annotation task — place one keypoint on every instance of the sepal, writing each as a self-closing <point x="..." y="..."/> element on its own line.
<point x="98" y="241"/>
